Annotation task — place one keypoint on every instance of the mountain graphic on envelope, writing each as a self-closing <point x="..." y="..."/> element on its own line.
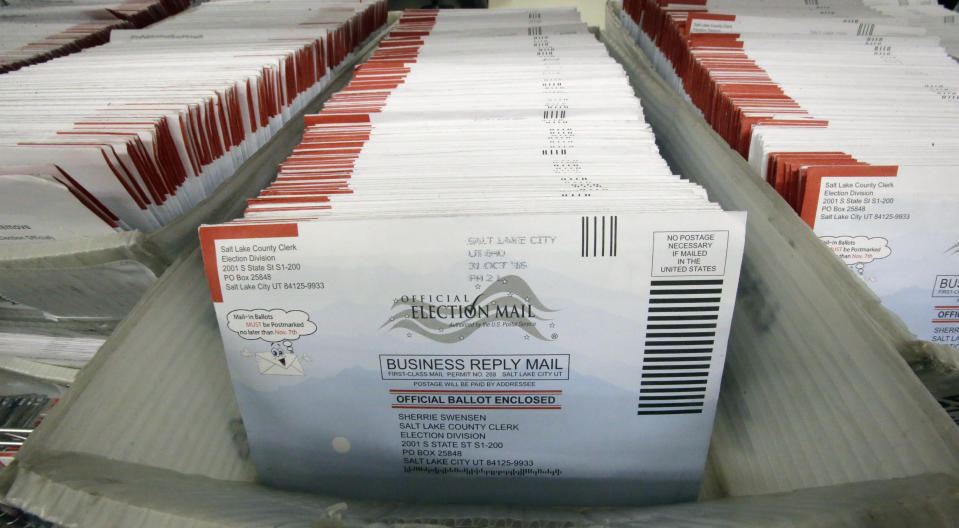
<point x="283" y="366"/>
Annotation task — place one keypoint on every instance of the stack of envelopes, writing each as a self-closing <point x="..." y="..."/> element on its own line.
<point x="478" y="249"/>
<point x="850" y="114"/>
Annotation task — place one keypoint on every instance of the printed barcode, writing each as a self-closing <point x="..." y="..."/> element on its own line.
<point x="865" y="30"/>
<point x="680" y="336"/>
<point x="599" y="236"/>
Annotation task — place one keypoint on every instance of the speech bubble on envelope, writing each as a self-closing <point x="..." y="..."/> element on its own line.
<point x="856" y="250"/>
<point x="270" y="325"/>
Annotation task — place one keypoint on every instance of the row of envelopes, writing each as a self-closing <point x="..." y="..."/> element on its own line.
<point x="849" y="110"/>
<point x="33" y="32"/>
<point x="111" y="157"/>
<point x="479" y="230"/>
<point x="134" y="133"/>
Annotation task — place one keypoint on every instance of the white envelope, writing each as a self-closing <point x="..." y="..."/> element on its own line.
<point x="271" y="365"/>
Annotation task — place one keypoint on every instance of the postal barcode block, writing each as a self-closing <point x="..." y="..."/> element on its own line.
<point x="598" y="236"/>
<point x="678" y="349"/>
